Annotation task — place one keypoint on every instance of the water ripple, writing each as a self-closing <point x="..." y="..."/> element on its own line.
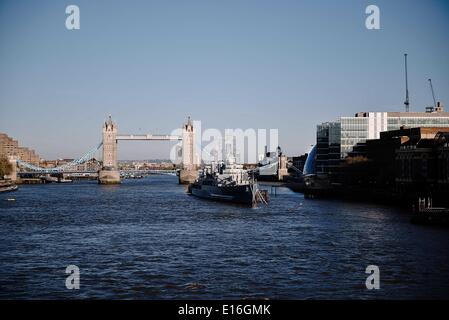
<point x="147" y="239"/>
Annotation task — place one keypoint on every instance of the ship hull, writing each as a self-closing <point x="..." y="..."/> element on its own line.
<point x="233" y="194"/>
<point x="268" y="178"/>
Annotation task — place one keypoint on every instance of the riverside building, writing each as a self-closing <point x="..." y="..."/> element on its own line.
<point x="10" y="147"/>
<point x="336" y="139"/>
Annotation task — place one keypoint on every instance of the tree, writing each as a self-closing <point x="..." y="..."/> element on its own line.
<point x="5" y="167"/>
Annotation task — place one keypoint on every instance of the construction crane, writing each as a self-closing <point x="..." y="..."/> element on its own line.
<point x="433" y="94"/>
<point x="407" y="102"/>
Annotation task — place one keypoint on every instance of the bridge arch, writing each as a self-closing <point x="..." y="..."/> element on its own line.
<point x="109" y="173"/>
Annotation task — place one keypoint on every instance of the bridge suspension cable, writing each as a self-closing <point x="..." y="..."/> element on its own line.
<point x="88" y="156"/>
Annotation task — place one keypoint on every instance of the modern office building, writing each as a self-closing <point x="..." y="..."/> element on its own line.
<point x="335" y="140"/>
<point x="328" y="146"/>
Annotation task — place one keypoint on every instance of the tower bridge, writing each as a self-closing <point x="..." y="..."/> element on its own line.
<point x="109" y="173"/>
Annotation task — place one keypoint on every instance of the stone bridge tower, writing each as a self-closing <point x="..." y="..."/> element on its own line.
<point x="189" y="170"/>
<point x="13" y="174"/>
<point x="109" y="173"/>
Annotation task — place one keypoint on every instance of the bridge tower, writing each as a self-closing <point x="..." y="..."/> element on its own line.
<point x="13" y="174"/>
<point x="189" y="169"/>
<point x="109" y="173"/>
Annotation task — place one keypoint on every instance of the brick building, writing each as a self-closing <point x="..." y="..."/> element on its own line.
<point x="10" y="147"/>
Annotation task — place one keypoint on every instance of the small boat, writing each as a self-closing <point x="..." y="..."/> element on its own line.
<point x="9" y="188"/>
<point x="228" y="183"/>
<point x="50" y="179"/>
<point x="274" y="167"/>
<point x="267" y="168"/>
<point x="430" y="215"/>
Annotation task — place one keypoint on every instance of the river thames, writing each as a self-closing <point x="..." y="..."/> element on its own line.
<point x="148" y="239"/>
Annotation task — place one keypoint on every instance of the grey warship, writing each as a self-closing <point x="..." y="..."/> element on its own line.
<point x="229" y="183"/>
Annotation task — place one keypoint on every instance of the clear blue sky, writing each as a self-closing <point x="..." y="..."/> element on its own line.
<point x="231" y="64"/>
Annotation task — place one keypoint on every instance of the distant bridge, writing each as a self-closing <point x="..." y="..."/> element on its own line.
<point x="122" y="172"/>
<point x="154" y="137"/>
<point x="110" y="173"/>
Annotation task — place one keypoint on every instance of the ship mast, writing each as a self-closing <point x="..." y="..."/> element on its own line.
<point x="433" y="94"/>
<point x="407" y="101"/>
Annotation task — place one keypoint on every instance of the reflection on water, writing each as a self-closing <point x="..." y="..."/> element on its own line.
<point x="148" y="239"/>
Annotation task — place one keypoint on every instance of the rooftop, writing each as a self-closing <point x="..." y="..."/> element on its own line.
<point x="430" y="112"/>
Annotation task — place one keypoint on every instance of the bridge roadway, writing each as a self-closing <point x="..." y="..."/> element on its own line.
<point x="92" y="172"/>
<point x="160" y="137"/>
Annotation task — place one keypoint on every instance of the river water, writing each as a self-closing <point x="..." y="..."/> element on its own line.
<point x="148" y="239"/>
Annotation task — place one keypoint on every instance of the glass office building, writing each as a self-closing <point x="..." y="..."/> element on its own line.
<point x="328" y="145"/>
<point x="335" y="140"/>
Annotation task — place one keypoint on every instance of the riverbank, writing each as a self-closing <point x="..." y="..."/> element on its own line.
<point x="320" y="186"/>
